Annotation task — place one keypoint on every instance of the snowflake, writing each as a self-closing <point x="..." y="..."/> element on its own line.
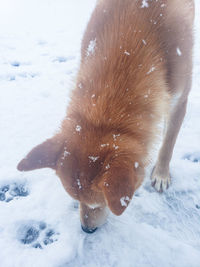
<point x="79" y="184"/>
<point x="124" y="201"/>
<point x="93" y="159"/>
<point x="78" y="128"/>
<point x="136" y="165"/>
<point x="91" y="47"/>
<point x="178" y="51"/>
<point x="126" y="53"/>
<point x="144" y="3"/>
<point x="151" y="70"/>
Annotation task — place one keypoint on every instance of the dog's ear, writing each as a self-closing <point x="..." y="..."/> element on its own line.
<point x="42" y="156"/>
<point x="118" y="186"/>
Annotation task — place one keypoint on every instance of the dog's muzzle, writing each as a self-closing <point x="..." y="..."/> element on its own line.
<point x="87" y="230"/>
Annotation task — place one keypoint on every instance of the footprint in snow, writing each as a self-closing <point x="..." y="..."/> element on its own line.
<point x="194" y="157"/>
<point x="14" y="190"/>
<point x="42" y="42"/>
<point x="36" y="234"/>
<point x="62" y="59"/>
<point x="14" y="76"/>
<point x="15" y="64"/>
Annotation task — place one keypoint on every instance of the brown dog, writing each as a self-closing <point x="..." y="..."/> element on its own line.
<point x="135" y="70"/>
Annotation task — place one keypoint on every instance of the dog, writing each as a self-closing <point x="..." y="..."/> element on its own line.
<point x="135" y="71"/>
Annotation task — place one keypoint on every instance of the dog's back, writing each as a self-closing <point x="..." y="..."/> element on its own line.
<point x="141" y="26"/>
<point x="131" y="61"/>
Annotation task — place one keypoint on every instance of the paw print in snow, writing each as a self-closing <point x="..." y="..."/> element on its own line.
<point x="36" y="234"/>
<point x="10" y="191"/>
<point x="194" y="157"/>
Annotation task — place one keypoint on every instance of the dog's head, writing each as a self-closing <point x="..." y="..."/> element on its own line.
<point x="98" y="172"/>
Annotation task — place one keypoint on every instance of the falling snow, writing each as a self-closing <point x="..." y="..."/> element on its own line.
<point x="151" y="70"/>
<point x="178" y="51"/>
<point x="144" y="42"/>
<point x="107" y="166"/>
<point x="124" y="201"/>
<point x="115" y="136"/>
<point x="104" y="145"/>
<point x="93" y="158"/>
<point x="79" y="184"/>
<point x="66" y="153"/>
<point x="144" y="3"/>
<point x="78" y="128"/>
<point x="136" y="165"/>
<point x="126" y="53"/>
<point x="115" y="147"/>
<point x="91" y="47"/>
<point x="155" y="229"/>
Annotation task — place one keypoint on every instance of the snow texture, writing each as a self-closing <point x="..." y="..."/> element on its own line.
<point x="39" y="222"/>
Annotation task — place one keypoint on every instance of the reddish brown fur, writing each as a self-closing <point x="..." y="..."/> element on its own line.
<point x="122" y="90"/>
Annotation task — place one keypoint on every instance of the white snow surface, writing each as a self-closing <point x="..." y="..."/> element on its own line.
<point x="39" y="58"/>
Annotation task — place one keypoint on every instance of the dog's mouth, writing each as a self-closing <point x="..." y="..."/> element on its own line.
<point x="88" y="230"/>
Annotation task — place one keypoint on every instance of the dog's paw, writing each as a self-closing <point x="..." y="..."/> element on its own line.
<point x="14" y="190"/>
<point x="36" y="234"/>
<point x="160" y="182"/>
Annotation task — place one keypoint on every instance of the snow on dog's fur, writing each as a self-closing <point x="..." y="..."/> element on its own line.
<point x="135" y="58"/>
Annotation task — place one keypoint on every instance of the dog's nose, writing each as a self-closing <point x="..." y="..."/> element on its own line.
<point x="87" y="230"/>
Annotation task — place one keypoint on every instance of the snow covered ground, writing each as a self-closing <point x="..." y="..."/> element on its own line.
<point x="39" y="223"/>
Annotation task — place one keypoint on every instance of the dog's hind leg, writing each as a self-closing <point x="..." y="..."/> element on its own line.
<point x="177" y="34"/>
<point x="161" y="176"/>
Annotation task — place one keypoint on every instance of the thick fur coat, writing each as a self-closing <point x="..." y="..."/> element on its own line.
<point x="132" y="53"/>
